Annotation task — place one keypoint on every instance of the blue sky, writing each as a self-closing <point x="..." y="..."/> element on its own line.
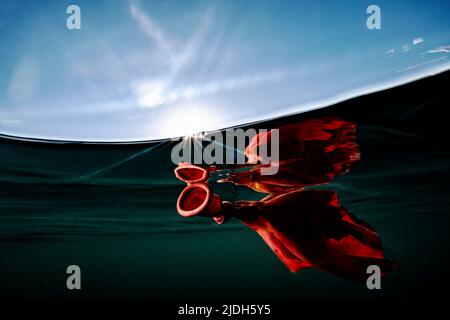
<point x="144" y="70"/>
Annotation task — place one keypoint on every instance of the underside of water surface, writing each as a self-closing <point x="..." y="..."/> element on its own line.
<point x="111" y="209"/>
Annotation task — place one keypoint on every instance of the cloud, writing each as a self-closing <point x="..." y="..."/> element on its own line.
<point x="154" y="92"/>
<point x="24" y="80"/>
<point x="150" y="28"/>
<point x="421" y="64"/>
<point x="440" y="49"/>
<point x="417" y="40"/>
<point x="10" y="121"/>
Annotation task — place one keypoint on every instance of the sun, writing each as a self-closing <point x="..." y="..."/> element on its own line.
<point x="189" y="121"/>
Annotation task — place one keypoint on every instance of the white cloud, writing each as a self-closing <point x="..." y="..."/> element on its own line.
<point x="417" y="40"/>
<point x="440" y="49"/>
<point x="24" y="81"/>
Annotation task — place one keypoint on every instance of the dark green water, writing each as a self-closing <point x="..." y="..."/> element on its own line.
<point x="63" y="204"/>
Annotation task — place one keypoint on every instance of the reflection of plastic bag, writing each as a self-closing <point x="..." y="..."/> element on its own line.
<point x="190" y="173"/>
<point x="318" y="137"/>
<point x="312" y="152"/>
<point x="311" y="229"/>
<point x="304" y="228"/>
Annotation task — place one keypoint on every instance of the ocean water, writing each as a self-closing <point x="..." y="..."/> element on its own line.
<point x="111" y="209"/>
